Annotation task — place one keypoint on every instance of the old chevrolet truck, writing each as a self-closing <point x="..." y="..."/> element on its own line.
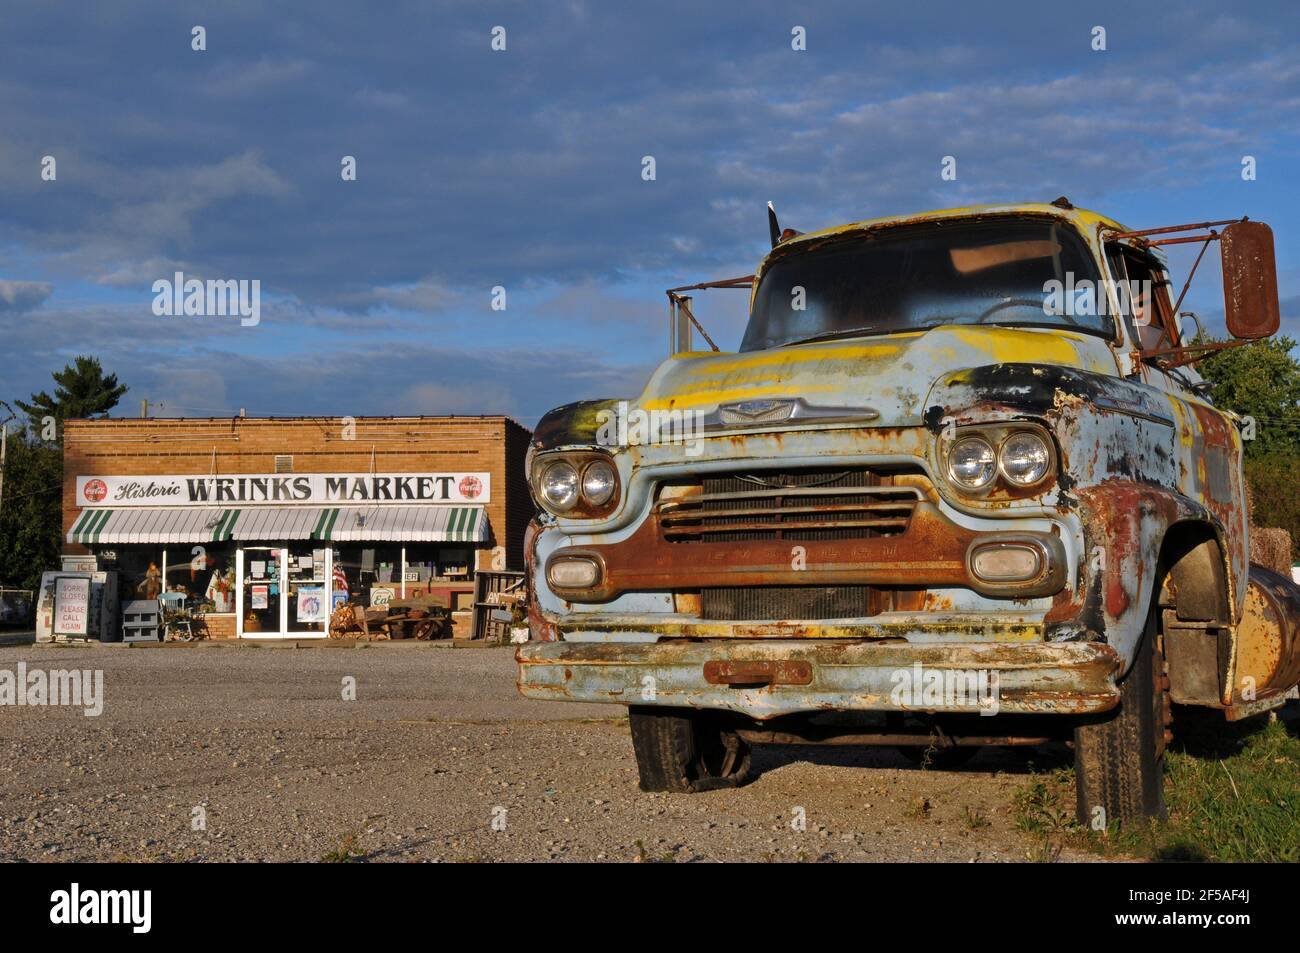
<point x="959" y="486"/>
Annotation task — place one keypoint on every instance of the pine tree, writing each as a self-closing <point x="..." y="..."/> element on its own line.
<point x="83" y="391"/>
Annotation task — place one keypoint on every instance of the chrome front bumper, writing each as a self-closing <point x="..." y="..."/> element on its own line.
<point x="771" y="677"/>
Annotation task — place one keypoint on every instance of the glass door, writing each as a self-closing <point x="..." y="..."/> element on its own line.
<point x="308" y="607"/>
<point x="260" y="589"/>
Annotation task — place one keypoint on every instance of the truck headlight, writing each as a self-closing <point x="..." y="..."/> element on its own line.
<point x="972" y="463"/>
<point x="559" y="487"/>
<point x="578" y="484"/>
<point x="998" y="460"/>
<point x="1024" y="458"/>
<point x="598" y="483"/>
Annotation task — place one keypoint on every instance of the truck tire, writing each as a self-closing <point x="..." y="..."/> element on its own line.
<point x="686" y="751"/>
<point x="1119" y="760"/>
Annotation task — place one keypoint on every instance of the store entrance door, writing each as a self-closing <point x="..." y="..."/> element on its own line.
<point x="282" y="592"/>
<point x="258" y="568"/>
<point x="307" y="608"/>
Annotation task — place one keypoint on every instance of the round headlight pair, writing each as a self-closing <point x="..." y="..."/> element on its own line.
<point x="562" y="487"/>
<point x="1024" y="459"/>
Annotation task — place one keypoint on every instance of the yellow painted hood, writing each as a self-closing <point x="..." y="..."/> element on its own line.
<point x="890" y="374"/>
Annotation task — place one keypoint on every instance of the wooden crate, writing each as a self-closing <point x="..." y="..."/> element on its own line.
<point x="462" y="625"/>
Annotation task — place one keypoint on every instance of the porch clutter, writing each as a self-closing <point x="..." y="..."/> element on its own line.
<point x="419" y="617"/>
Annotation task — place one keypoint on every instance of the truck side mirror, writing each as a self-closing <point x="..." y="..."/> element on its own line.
<point x="1250" y="303"/>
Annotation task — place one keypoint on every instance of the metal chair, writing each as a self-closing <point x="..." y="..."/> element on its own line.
<point x="176" y="618"/>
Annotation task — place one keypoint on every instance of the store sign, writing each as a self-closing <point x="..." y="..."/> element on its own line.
<point x="71" y="606"/>
<point x="252" y="489"/>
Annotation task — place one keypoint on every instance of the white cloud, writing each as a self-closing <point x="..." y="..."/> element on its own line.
<point x="229" y="79"/>
<point x="20" y="296"/>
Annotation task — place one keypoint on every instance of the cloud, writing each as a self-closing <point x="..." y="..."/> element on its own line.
<point x="230" y="79"/>
<point x="523" y="168"/>
<point x="382" y="99"/>
<point x="377" y="381"/>
<point x="19" y="296"/>
<point x="426" y="296"/>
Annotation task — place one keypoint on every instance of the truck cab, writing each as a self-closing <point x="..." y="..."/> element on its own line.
<point x="959" y="485"/>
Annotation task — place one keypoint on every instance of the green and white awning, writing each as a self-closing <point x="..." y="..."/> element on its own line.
<point x="269" y="523"/>
<point x="409" y="524"/>
<point x="393" y="524"/>
<point x="435" y="524"/>
<point x="151" y="525"/>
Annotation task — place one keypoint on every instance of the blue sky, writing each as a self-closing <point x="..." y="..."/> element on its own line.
<point x="522" y="168"/>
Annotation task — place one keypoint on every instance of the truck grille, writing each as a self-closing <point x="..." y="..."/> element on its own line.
<point x="797" y="506"/>
<point x="804" y="505"/>
<point x="788" y="602"/>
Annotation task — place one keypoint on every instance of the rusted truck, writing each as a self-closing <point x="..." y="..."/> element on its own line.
<point x="960" y="485"/>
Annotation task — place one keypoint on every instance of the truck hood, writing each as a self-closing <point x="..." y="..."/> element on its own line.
<point x="889" y="375"/>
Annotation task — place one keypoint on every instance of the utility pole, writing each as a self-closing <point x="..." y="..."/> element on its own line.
<point x="4" y="449"/>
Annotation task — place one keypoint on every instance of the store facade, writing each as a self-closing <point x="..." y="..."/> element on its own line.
<point x="268" y="524"/>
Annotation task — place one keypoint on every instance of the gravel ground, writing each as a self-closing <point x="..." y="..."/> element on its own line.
<point x="435" y="748"/>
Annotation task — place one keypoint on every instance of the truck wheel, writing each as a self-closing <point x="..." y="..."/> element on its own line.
<point x="686" y="751"/>
<point x="1119" y="762"/>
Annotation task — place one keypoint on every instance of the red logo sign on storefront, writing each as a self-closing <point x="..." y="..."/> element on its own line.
<point x="95" y="490"/>
<point x="470" y="487"/>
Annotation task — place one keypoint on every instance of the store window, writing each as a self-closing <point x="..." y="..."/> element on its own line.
<point x="369" y="575"/>
<point x="426" y="562"/>
<point x="205" y="574"/>
<point x="139" y="571"/>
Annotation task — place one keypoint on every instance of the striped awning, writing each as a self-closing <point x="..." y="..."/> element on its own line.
<point x="410" y="524"/>
<point x="280" y="522"/>
<point x="150" y="525"/>
<point x="435" y="524"/>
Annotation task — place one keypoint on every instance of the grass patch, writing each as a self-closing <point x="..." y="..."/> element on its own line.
<point x="919" y="809"/>
<point x="345" y="853"/>
<point x="642" y="857"/>
<point x="1232" y="791"/>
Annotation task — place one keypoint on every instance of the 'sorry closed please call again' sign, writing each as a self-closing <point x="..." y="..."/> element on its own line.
<point x="71" y="606"/>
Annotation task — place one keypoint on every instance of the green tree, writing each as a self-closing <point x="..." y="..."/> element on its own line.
<point x="31" y="499"/>
<point x="31" y="511"/>
<point x="83" y="391"/>
<point x="1260" y="380"/>
<point x="1275" y="482"/>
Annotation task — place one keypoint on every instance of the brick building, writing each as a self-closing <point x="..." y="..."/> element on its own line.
<point x="257" y="519"/>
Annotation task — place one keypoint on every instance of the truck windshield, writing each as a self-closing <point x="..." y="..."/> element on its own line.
<point x="906" y="278"/>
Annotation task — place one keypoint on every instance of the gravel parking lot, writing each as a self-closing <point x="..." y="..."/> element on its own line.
<point x="258" y="743"/>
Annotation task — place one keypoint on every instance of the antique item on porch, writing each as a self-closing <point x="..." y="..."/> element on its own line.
<point x="151" y="585"/>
